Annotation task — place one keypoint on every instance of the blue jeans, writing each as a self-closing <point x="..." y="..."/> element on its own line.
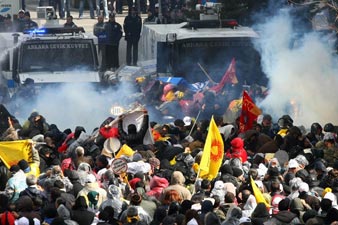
<point x="91" y="8"/>
<point x="67" y="7"/>
<point x="105" y="7"/>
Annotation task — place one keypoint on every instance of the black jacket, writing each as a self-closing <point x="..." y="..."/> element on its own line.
<point x="114" y="33"/>
<point x="132" y="27"/>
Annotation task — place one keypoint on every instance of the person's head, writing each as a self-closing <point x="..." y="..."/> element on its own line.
<point x="133" y="11"/>
<point x="79" y="151"/>
<point x="111" y="17"/>
<point x="31" y="180"/>
<point x="132" y="129"/>
<point x="245" y="195"/>
<point x="21" y="14"/>
<point x="150" y="13"/>
<point x="80" y="203"/>
<point x="229" y="197"/>
<point x="69" y="19"/>
<point x="100" y="18"/>
<point x="171" y="196"/>
<point x="27" y="15"/>
<point x="267" y="120"/>
<point x="24" y="166"/>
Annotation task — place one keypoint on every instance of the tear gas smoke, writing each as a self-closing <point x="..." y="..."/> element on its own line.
<point x="71" y="105"/>
<point x="303" y="73"/>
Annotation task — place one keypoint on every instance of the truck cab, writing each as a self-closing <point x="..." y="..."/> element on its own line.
<point x="207" y="45"/>
<point x="52" y="55"/>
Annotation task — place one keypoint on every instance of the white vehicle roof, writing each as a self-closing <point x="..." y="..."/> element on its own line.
<point x="160" y="31"/>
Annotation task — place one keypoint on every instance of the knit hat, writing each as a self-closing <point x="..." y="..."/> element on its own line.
<point x="137" y="157"/>
<point x="23" y="164"/>
<point x="226" y="169"/>
<point x="237" y="171"/>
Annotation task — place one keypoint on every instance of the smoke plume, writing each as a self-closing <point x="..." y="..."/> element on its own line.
<point x="302" y="72"/>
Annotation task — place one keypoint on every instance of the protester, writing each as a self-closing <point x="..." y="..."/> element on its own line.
<point x="159" y="183"/>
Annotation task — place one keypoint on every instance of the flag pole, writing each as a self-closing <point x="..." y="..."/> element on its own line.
<point x="199" y="112"/>
<point x="205" y="73"/>
<point x="198" y="174"/>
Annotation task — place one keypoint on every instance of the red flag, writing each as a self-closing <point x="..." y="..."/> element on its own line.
<point x="249" y="113"/>
<point x="228" y="77"/>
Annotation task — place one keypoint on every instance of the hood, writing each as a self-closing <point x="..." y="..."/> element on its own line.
<point x="237" y="143"/>
<point x="285" y="216"/>
<point x="158" y="182"/>
<point x="260" y="211"/>
<point x="114" y="192"/>
<point x="63" y="212"/>
<point x="177" y="178"/>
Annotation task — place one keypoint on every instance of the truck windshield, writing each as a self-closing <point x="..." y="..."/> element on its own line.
<point x="57" y="55"/>
<point x="214" y="55"/>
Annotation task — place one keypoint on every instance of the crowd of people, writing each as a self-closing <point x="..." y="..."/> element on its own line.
<point x="71" y="180"/>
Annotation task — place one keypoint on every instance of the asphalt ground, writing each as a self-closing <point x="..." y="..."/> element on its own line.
<point x="86" y="22"/>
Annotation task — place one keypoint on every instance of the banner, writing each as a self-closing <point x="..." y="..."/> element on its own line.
<point x="11" y="152"/>
<point x="213" y="153"/>
<point x="249" y="113"/>
<point x="135" y="117"/>
<point x="228" y="77"/>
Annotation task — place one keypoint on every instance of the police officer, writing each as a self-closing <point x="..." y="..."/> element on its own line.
<point x="132" y="29"/>
<point x="114" y="34"/>
<point x="101" y="35"/>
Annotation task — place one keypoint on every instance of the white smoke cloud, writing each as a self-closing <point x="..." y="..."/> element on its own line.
<point x="72" y="105"/>
<point x="304" y="75"/>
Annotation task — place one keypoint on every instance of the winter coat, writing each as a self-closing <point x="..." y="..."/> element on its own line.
<point x="283" y="218"/>
<point x="16" y="184"/>
<point x="132" y="27"/>
<point x="157" y="184"/>
<point x="177" y="183"/>
<point x="94" y="187"/>
<point x="83" y="216"/>
<point x="114" y="33"/>
<point x="260" y="214"/>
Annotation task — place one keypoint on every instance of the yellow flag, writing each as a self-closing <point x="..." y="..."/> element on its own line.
<point x="257" y="193"/>
<point x="213" y="152"/>
<point x="125" y="150"/>
<point x="11" y="152"/>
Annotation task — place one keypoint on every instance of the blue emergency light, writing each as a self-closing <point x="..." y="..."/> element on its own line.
<point x="54" y="30"/>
